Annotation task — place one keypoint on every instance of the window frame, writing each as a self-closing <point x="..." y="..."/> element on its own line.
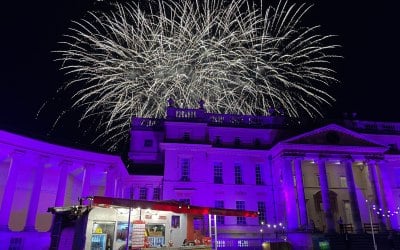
<point x="238" y="174"/>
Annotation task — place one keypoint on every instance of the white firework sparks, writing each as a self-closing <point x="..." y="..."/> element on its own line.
<point x="237" y="57"/>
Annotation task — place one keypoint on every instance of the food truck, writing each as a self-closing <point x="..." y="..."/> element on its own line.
<point x="113" y="223"/>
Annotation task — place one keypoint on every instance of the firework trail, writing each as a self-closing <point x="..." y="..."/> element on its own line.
<point x="238" y="57"/>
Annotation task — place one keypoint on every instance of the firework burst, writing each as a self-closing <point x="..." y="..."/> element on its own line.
<point x="238" y="57"/>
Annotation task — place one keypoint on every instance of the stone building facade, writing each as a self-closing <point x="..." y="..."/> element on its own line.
<point x="301" y="182"/>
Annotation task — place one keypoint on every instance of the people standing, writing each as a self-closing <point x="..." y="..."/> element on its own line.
<point x="341" y="226"/>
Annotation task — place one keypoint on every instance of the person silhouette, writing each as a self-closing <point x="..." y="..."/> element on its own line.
<point x="312" y="226"/>
<point x="341" y="226"/>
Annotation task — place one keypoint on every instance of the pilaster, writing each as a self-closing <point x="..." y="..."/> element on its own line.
<point x="9" y="189"/>
<point x="290" y="198"/>
<point x="62" y="182"/>
<point x="355" y="210"/>
<point x="110" y="182"/>
<point x="88" y="168"/>
<point x="35" y="195"/>
<point x="325" y="195"/>
<point x="377" y="190"/>
<point x="300" y="193"/>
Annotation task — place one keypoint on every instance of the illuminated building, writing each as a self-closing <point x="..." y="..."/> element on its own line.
<point x="300" y="182"/>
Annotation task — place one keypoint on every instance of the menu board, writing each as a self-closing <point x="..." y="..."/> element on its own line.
<point x="138" y="234"/>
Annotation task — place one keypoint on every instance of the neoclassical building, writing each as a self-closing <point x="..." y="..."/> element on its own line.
<point x="300" y="181"/>
<point x="36" y="175"/>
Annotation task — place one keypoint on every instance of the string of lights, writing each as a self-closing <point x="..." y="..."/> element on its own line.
<point x="385" y="213"/>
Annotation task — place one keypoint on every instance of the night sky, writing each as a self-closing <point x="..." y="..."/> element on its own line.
<point x="368" y="32"/>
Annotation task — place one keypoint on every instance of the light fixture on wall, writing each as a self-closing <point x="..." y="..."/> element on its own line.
<point x="360" y="166"/>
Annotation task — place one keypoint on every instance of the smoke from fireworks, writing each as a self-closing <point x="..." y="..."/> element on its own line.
<point x="238" y="57"/>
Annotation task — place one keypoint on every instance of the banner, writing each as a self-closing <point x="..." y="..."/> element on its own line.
<point x="138" y="234"/>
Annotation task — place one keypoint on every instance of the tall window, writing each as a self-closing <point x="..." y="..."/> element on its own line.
<point x="259" y="180"/>
<point x="186" y="136"/>
<point x="238" y="174"/>
<point x="343" y="182"/>
<point x="218" y="140"/>
<point x="220" y="218"/>
<point x="237" y="141"/>
<point x="185" y="170"/>
<point x="318" y="180"/>
<point x="157" y="194"/>
<point x="148" y="143"/>
<point x="218" y="173"/>
<point x="130" y="193"/>
<point x="240" y="220"/>
<point x="143" y="193"/>
<point x="261" y="212"/>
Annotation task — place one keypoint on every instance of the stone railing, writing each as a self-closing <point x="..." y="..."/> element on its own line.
<point x="375" y="127"/>
<point x="147" y="123"/>
<point x="199" y="115"/>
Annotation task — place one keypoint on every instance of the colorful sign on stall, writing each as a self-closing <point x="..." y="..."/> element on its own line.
<point x="138" y="234"/>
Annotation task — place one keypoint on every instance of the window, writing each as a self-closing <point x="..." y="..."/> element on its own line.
<point x="143" y="193"/>
<point x="261" y="212"/>
<point x="393" y="147"/>
<point x="243" y="243"/>
<point x="318" y="180"/>
<point x="148" y="143"/>
<point x="257" y="143"/>
<point x="157" y="194"/>
<point x="240" y="220"/>
<point x="129" y="193"/>
<point x="186" y="136"/>
<point x="343" y="181"/>
<point x="220" y="218"/>
<point x="237" y="141"/>
<point x="185" y="168"/>
<point x="199" y="224"/>
<point x="16" y="243"/>
<point x="218" y="173"/>
<point x="397" y="173"/>
<point x="238" y="175"/>
<point x="259" y="180"/>
<point x="218" y="140"/>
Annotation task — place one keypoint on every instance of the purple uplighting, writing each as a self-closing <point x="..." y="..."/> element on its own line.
<point x="300" y="184"/>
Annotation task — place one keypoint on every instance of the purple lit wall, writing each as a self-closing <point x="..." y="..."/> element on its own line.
<point x="35" y="175"/>
<point x="291" y="177"/>
<point x="209" y="160"/>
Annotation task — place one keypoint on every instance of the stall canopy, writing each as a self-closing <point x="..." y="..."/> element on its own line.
<point x="173" y="206"/>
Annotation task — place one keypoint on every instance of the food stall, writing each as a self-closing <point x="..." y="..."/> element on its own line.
<point x="152" y="224"/>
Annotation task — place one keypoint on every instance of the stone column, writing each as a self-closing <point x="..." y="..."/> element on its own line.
<point x="110" y="182"/>
<point x="386" y="184"/>
<point x="118" y="190"/>
<point x="62" y="183"/>
<point x="86" y="182"/>
<point x="290" y="198"/>
<point x="35" y="195"/>
<point x="325" y="196"/>
<point x="9" y="189"/>
<point x="300" y="193"/>
<point x="377" y="191"/>
<point x="355" y="210"/>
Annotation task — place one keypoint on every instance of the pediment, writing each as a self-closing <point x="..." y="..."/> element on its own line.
<point x="333" y="135"/>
